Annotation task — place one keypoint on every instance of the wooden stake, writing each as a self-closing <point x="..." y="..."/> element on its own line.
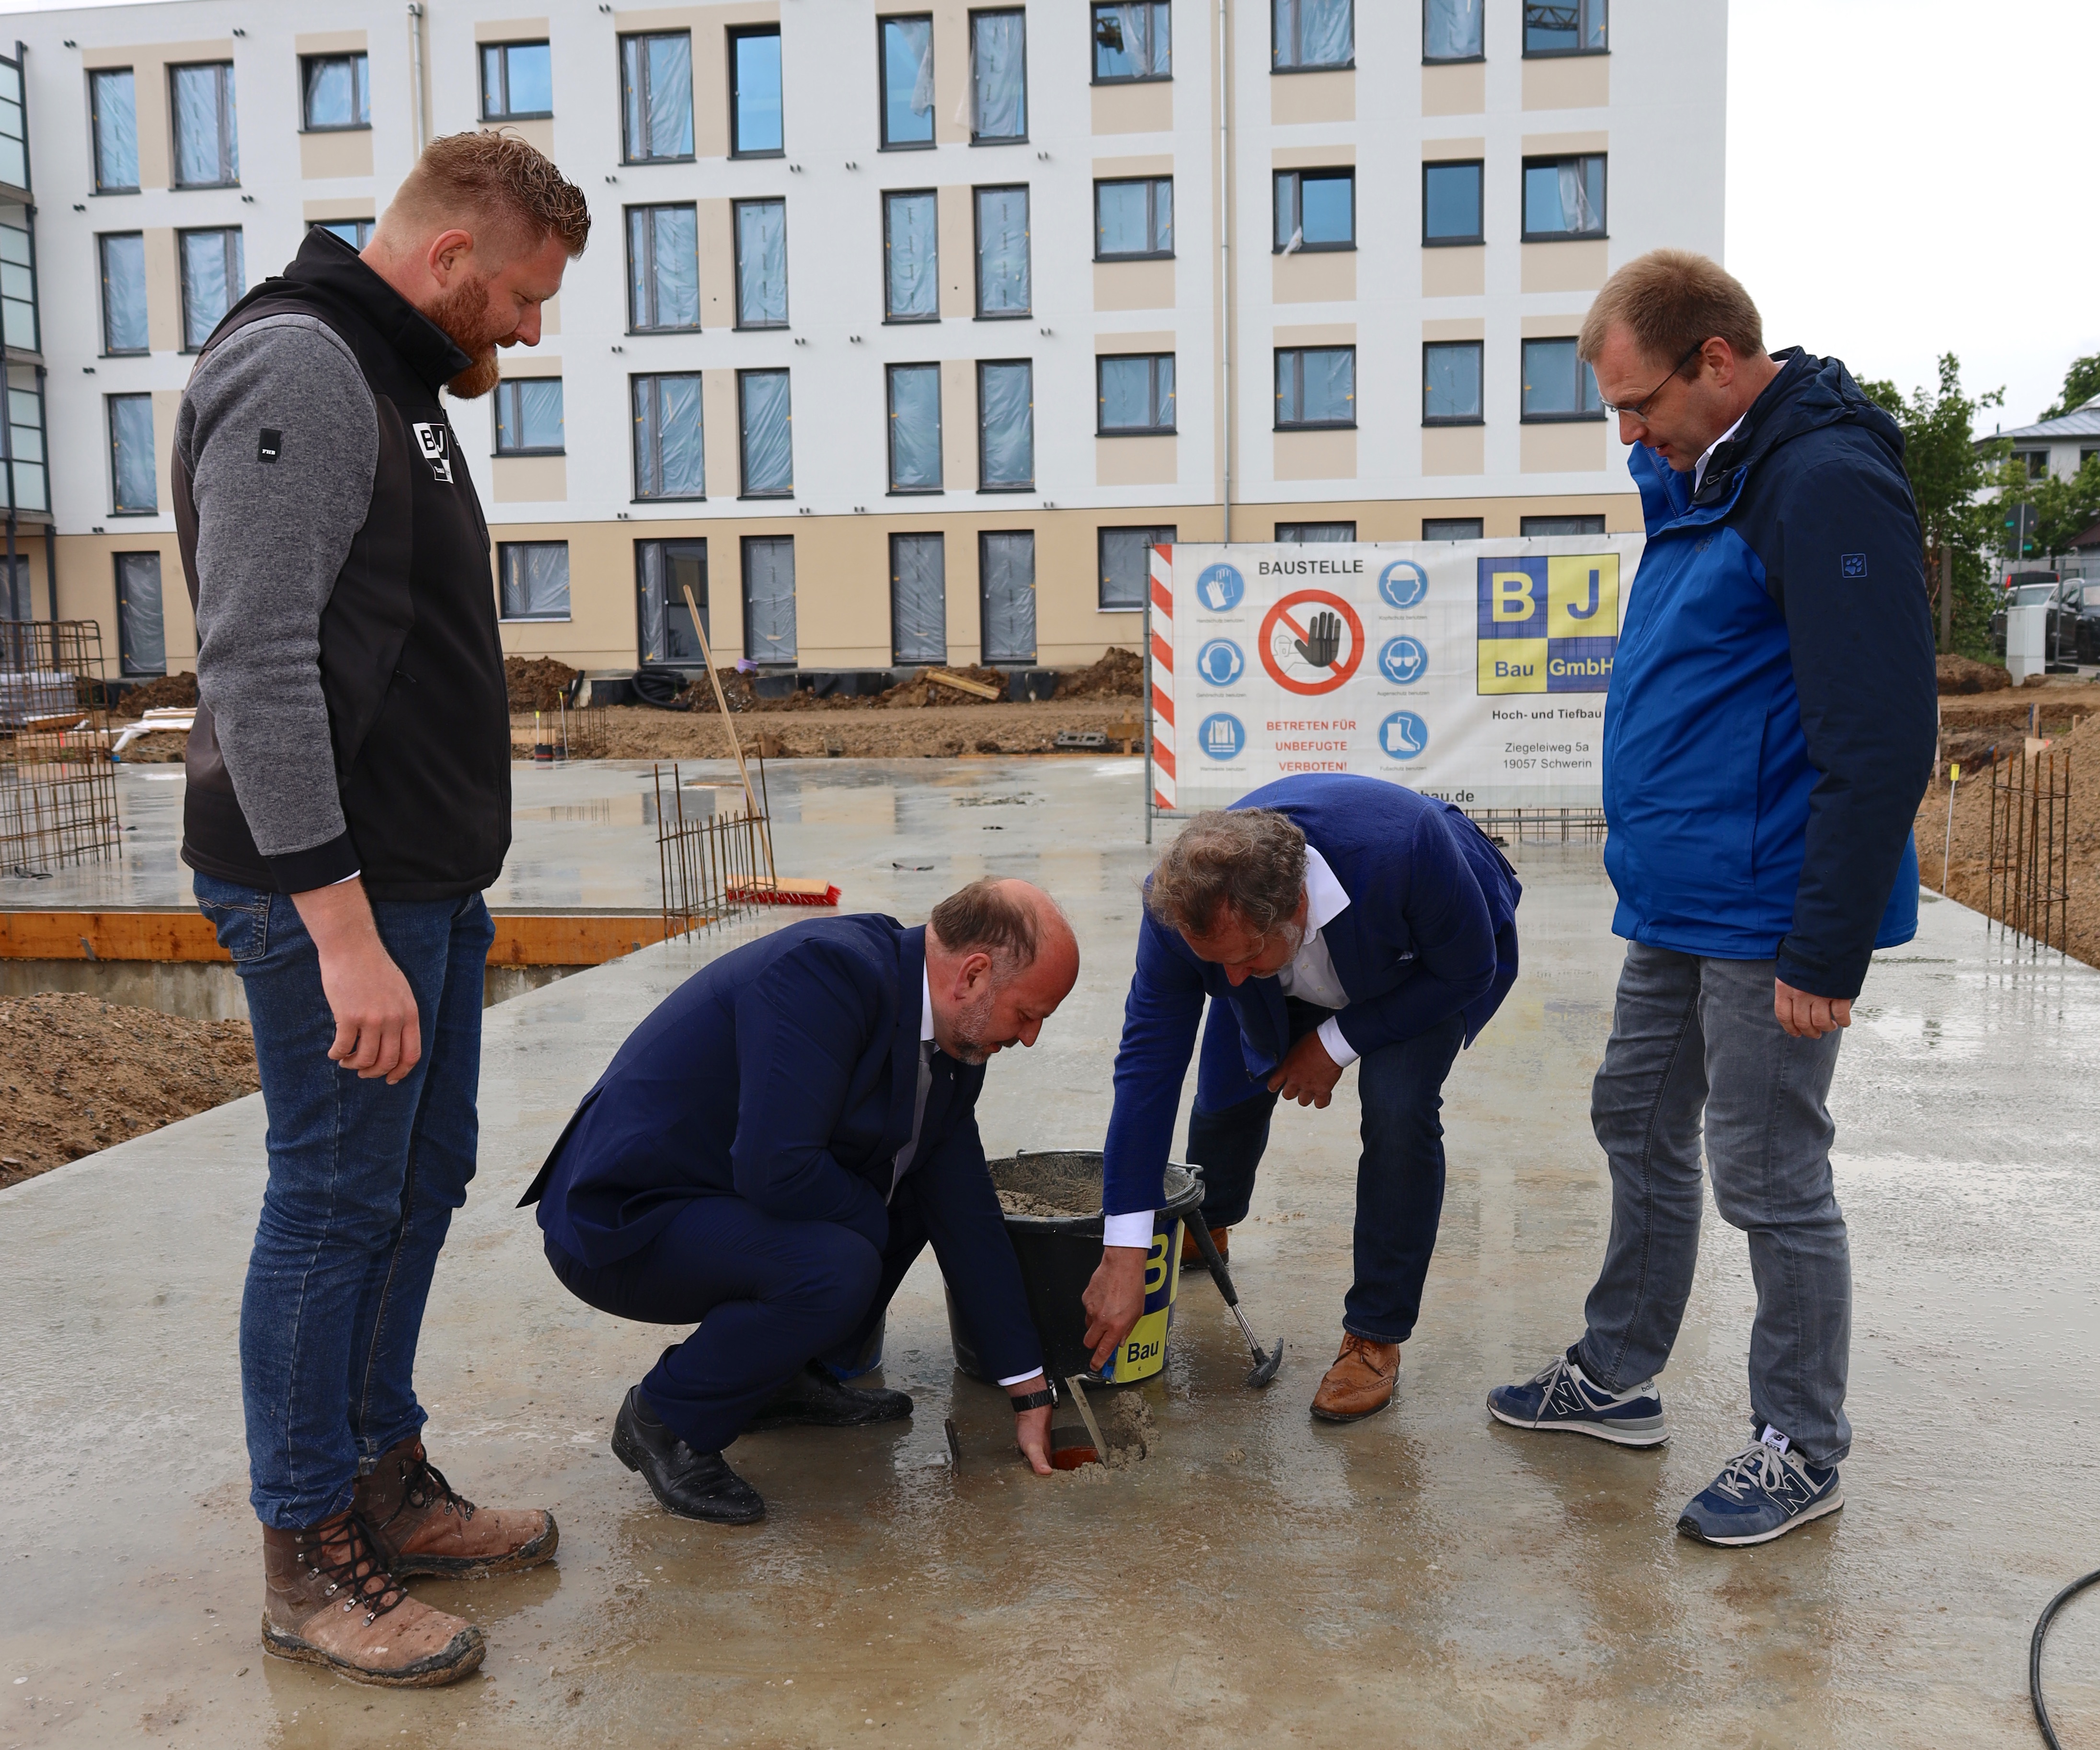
<point x="736" y="740"/>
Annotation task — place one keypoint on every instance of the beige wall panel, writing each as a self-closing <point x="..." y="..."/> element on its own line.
<point x="1577" y="447"/>
<point x="952" y="72"/>
<point x="1316" y="334"/>
<point x="1135" y="461"/>
<point x="1455" y="91"/>
<point x="1310" y="157"/>
<point x="955" y="237"/>
<point x="1295" y="97"/>
<point x="1157" y="340"/>
<point x="714" y="225"/>
<point x="1133" y="285"/>
<point x="510" y="30"/>
<point x="1573" y="81"/>
<point x="1551" y="328"/>
<point x="1328" y="276"/>
<point x="1454" y="273"/>
<point x="527" y="361"/>
<point x="959" y="425"/>
<point x="1146" y="164"/>
<point x="1454" y="449"/>
<point x="1546" y="145"/>
<point x="338" y="206"/>
<point x="1315" y="455"/>
<point x="167" y="403"/>
<point x="1473" y="145"/>
<point x="537" y="134"/>
<point x="1455" y="328"/>
<point x="329" y="42"/>
<point x="959" y="555"/>
<point x="164" y="291"/>
<point x="718" y="436"/>
<point x="550" y="315"/>
<point x="1142" y="108"/>
<point x="326" y="156"/>
<point x="1581" y="265"/>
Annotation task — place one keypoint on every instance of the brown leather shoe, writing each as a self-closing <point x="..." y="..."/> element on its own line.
<point x="419" y="1525"/>
<point x="327" y="1600"/>
<point x="1361" y="1382"/>
<point x="1192" y="1255"/>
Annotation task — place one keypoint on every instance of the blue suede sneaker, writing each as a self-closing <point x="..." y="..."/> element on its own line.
<point x="1562" y="1397"/>
<point x="1763" y="1493"/>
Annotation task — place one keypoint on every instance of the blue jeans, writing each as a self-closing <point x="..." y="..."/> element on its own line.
<point x="1694" y="1038"/>
<point x="1399" y="1175"/>
<point x="363" y="1180"/>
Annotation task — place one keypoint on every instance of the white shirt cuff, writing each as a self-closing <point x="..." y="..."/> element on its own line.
<point x="1018" y="1378"/>
<point x="1133" y="1229"/>
<point x="1338" y="1047"/>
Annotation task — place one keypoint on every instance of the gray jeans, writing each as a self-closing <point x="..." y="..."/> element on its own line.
<point x="1692" y="1035"/>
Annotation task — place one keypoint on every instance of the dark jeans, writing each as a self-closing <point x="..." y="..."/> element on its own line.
<point x="768" y="1297"/>
<point x="1694" y="1038"/>
<point x="363" y="1180"/>
<point x="1400" y="1176"/>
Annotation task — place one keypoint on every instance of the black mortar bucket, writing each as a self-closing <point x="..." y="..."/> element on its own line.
<point x="1059" y="1254"/>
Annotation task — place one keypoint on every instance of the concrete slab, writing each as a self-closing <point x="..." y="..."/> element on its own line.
<point x="1425" y="1578"/>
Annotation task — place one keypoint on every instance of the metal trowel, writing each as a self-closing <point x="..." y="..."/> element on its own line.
<point x="1265" y="1365"/>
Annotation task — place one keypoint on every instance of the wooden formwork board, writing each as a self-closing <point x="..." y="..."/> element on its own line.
<point x="522" y="939"/>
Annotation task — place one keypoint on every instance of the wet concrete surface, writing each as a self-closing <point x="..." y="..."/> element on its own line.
<point x="1426" y="1577"/>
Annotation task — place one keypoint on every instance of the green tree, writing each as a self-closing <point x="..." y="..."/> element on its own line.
<point x="2081" y="382"/>
<point x="2064" y="510"/>
<point x="1950" y="472"/>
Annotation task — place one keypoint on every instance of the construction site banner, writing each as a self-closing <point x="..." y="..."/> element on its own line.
<point x="1475" y="671"/>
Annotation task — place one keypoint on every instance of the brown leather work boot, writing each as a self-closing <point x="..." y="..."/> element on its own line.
<point x="327" y="1600"/>
<point x="1192" y="1255"/>
<point x="419" y="1525"/>
<point x="1361" y="1382"/>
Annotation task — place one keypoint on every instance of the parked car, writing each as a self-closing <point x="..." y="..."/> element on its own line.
<point x="2063" y="646"/>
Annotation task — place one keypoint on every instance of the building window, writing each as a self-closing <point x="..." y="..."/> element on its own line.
<point x="761" y="264"/>
<point x="1006" y="426"/>
<point x="27" y="486"/>
<point x="910" y="257"/>
<point x="1002" y="219"/>
<point x="1451" y="203"/>
<point x="338" y="92"/>
<point x="998" y="76"/>
<point x="670" y="456"/>
<point x="17" y="593"/>
<point x="1451" y="30"/>
<point x="207" y="148"/>
<point x="1006" y="573"/>
<point x="1557" y="385"/>
<point x="1452" y="528"/>
<point x="1451" y="383"/>
<point x="1315" y="386"/>
<point x="142" y="641"/>
<point x="1531" y="527"/>
<point x="356" y="232"/>
<point x="663" y="572"/>
<point x="214" y="278"/>
<point x="768" y="598"/>
<point x="517" y="81"/>
<point x="1301" y="533"/>
<point x="2034" y="462"/>
<point x="1576" y="27"/>
<point x="907" y="47"/>
<point x="1564" y="198"/>
<point x="1134" y="219"/>
<point x="528" y="417"/>
<point x="1311" y="34"/>
<point x="123" y="292"/>
<point x="1135" y="394"/>
<point x="1133" y="42"/>
<point x="18" y="280"/>
<point x="766" y="426"/>
<point x="1314" y="209"/>
<point x="135" y="490"/>
<point x="663" y="269"/>
<point x="1127" y="565"/>
<point x="533" y="579"/>
<point x="14" y="125"/>
<point x="656" y="96"/>
<point x="114" y="105"/>
<point x="754" y="92"/>
<point x="918" y="598"/>
<point x="915" y="428"/>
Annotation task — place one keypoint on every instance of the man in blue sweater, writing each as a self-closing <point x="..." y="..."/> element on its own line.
<point x="1767" y="738"/>
<point x="1326" y="919"/>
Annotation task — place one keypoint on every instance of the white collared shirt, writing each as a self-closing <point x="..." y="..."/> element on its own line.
<point x="1699" y="472"/>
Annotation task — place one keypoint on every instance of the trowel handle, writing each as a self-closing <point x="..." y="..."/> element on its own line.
<point x="1209" y="1248"/>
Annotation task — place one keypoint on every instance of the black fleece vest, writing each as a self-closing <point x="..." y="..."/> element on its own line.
<point x="411" y="661"/>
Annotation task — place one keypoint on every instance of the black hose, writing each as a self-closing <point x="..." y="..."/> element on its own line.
<point x="658" y="683"/>
<point x="2034" y="1655"/>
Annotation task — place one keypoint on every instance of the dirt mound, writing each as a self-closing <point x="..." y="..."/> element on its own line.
<point x="1119" y="674"/>
<point x="536" y="683"/>
<point x="1965" y="674"/>
<point x="167" y="692"/>
<point x="921" y="690"/>
<point x="81" y="1074"/>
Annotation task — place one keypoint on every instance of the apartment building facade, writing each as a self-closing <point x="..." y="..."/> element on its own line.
<point x="905" y="325"/>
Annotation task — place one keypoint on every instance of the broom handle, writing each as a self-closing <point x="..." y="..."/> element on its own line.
<point x="736" y="740"/>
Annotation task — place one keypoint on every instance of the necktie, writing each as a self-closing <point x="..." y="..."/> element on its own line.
<point x="911" y="1148"/>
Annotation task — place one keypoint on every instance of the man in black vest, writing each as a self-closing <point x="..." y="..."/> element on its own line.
<point x="348" y="800"/>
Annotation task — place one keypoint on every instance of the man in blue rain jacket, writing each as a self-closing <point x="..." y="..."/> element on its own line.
<point x="1767" y="738"/>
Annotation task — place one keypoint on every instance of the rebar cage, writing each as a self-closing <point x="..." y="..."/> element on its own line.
<point x="710" y="863"/>
<point x="1541" y="825"/>
<point x="57" y="787"/>
<point x="2028" y="879"/>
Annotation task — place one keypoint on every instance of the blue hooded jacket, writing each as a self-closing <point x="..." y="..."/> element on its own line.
<point x="1769" y="728"/>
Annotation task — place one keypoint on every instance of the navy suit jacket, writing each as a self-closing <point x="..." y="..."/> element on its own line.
<point x="785" y="1073"/>
<point x="1430" y="931"/>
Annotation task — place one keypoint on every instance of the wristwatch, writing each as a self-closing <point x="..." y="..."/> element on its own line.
<point x="1035" y="1400"/>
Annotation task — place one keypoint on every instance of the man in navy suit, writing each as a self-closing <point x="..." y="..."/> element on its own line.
<point x="1328" y="920"/>
<point x="768" y="1153"/>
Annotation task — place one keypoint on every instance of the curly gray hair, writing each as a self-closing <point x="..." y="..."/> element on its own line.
<point x="1248" y="862"/>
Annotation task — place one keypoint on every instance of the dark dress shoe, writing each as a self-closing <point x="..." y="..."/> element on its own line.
<point x="694" y="1485"/>
<point x="812" y="1399"/>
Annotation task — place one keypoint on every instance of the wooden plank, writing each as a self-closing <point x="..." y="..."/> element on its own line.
<point x="521" y="939"/>
<point x="964" y="684"/>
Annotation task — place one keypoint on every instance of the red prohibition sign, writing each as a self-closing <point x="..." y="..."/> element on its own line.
<point x="1339" y="673"/>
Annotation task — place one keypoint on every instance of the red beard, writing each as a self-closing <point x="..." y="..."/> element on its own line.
<point x="463" y="314"/>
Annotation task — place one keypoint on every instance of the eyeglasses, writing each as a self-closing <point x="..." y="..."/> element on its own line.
<point x="1639" y="409"/>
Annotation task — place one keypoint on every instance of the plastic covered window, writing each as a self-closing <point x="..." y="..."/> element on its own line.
<point x="124" y="293"/>
<point x="656" y="95"/>
<point x="907" y="81"/>
<point x="999" y="76"/>
<point x="1134" y="218"/>
<point x="1451" y="383"/>
<point x="768" y="598"/>
<point x="1316" y="385"/>
<point x="1006" y="427"/>
<point x="207" y="146"/>
<point x="338" y="92"/>
<point x="1133" y="41"/>
<point x="1136" y="393"/>
<point x="1126" y="564"/>
<point x="1301" y="533"/>
<point x="910" y="248"/>
<point x="1310" y="34"/>
<point x="1003" y="266"/>
<point x="142" y="640"/>
<point x="663" y="572"/>
<point x="1451" y="30"/>
<point x="1006" y="563"/>
<point x="533" y="579"/>
<point x="114" y="104"/>
<point x="669" y="447"/>
<point x="915" y="428"/>
<point x="1564" y="198"/>
<point x="528" y="417"/>
<point x="761" y="264"/>
<point x="213" y="277"/>
<point x="663" y="268"/>
<point x="1557" y="383"/>
<point x="918" y="598"/>
<point x="768" y="444"/>
<point x="1452" y="528"/>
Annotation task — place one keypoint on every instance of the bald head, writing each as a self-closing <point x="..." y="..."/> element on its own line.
<point x="1000" y="957"/>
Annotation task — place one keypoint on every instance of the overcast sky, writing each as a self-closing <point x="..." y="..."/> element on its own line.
<point x="1908" y="177"/>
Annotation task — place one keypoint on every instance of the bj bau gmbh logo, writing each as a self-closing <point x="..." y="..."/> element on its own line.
<point x="1548" y="623"/>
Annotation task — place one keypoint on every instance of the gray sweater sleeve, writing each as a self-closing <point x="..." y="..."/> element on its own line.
<point x="281" y="436"/>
